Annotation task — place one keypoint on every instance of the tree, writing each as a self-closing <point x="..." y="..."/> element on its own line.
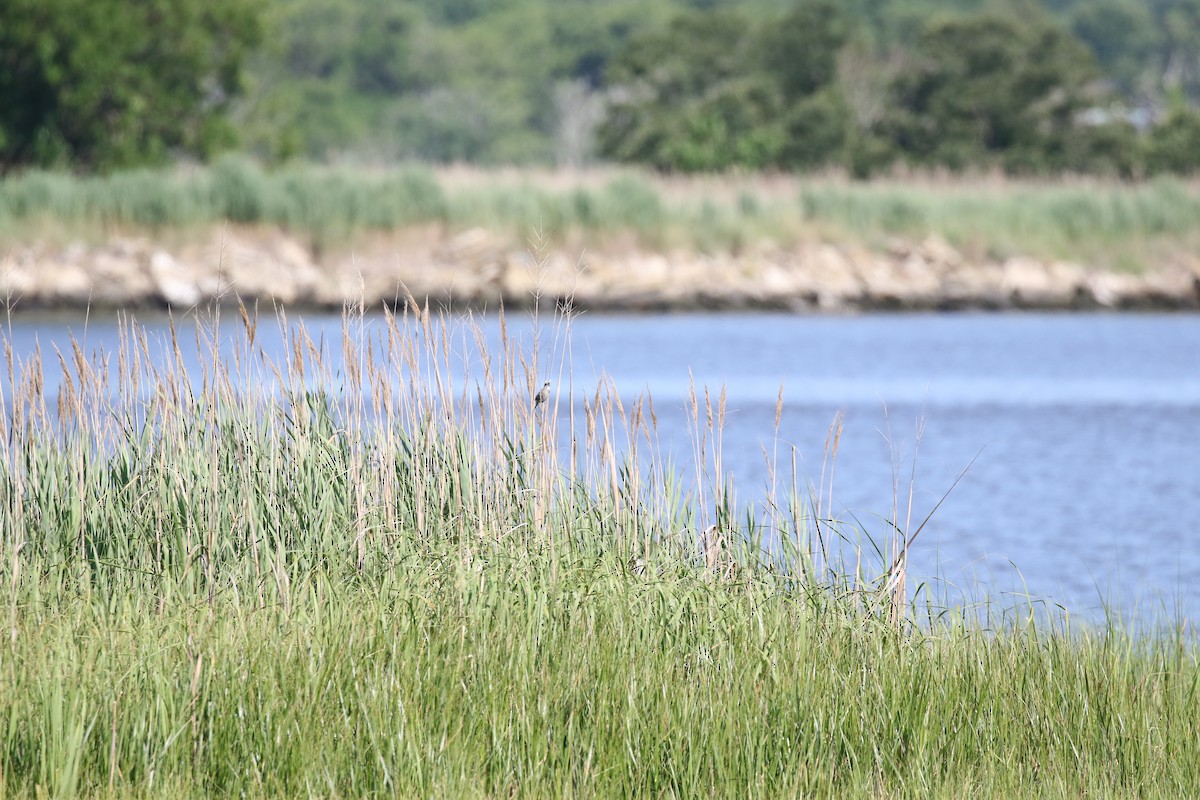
<point x="1174" y="144"/>
<point x="818" y="129"/>
<point x="1122" y="36"/>
<point x="679" y="94"/>
<point x="713" y="91"/>
<point x="1180" y="57"/>
<point x="1108" y="148"/>
<point x="991" y="89"/>
<point x="734" y="124"/>
<point x="801" y="49"/>
<point x="105" y="83"/>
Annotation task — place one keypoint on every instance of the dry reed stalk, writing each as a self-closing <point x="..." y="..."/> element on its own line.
<point x="418" y="442"/>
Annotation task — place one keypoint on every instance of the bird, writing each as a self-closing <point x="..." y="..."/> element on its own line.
<point x="543" y="395"/>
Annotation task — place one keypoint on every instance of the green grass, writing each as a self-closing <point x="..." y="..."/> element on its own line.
<point x="1106" y="224"/>
<point x="430" y="589"/>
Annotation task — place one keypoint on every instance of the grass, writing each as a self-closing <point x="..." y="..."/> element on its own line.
<point x="370" y="568"/>
<point x="1107" y="224"/>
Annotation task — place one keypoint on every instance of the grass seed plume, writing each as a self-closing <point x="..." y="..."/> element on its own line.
<point x="371" y="567"/>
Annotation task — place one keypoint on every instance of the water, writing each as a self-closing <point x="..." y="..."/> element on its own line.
<point x="1086" y="487"/>
<point x="1082" y="432"/>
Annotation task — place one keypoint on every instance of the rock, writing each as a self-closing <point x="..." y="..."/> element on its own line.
<point x="829" y="278"/>
<point x="17" y="283"/>
<point x="1070" y="279"/>
<point x="479" y="251"/>
<point x="1033" y="283"/>
<point x="1110" y="289"/>
<point x="255" y="268"/>
<point x="65" y="283"/>
<point x="176" y="284"/>
<point x="369" y="282"/>
<point x="778" y="283"/>
<point x="935" y="250"/>
<point x="120" y="277"/>
<point x="477" y="267"/>
<point x="975" y="286"/>
<point x="525" y="278"/>
<point x="911" y="283"/>
<point x="634" y="280"/>
<point x="1170" y="287"/>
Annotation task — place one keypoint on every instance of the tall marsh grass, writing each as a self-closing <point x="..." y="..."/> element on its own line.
<point x="1108" y="224"/>
<point x="1104" y="223"/>
<point x="372" y="568"/>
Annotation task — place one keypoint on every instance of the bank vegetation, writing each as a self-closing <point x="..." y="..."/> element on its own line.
<point x="372" y="567"/>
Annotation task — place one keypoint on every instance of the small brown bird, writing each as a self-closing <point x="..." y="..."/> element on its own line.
<point x="542" y="396"/>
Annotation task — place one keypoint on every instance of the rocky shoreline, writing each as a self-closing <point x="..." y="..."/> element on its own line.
<point x="477" y="268"/>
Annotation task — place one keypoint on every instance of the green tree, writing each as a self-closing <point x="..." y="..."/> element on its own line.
<point x="735" y="124"/>
<point x="801" y="49"/>
<point x="1122" y="35"/>
<point x="818" y="129"/>
<point x="1174" y="144"/>
<point x="100" y="84"/>
<point x="1112" y="148"/>
<point x="991" y="89"/>
<point x="476" y="80"/>
<point x="1180" y="54"/>
<point x="679" y="96"/>
<point x="714" y="90"/>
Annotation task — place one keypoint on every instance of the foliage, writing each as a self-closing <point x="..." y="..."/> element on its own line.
<point x="359" y="581"/>
<point x="427" y="81"/>
<point x="680" y="91"/>
<point x="1040" y="86"/>
<point x="990" y="89"/>
<point x="235" y="189"/>
<point x="1174" y="146"/>
<point x="685" y="98"/>
<point x="100" y="84"/>
<point x="1100" y="222"/>
<point x="818" y="129"/>
<point x="1121" y="35"/>
<point x="1108" y="224"/>
<point x="1008" y="89"/>
<point x="800" y="49"/>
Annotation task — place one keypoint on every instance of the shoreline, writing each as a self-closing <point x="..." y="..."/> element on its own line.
<point x="477" y="268"/>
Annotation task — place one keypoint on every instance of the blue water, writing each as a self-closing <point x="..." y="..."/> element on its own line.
<point x="1082" y="432"/>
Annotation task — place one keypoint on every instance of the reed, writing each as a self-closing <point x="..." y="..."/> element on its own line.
<point x="1108" y="224"/>
<point x="371" y="567"/>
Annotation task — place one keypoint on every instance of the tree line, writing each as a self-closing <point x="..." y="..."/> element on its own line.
<point x="1092" y="86"/>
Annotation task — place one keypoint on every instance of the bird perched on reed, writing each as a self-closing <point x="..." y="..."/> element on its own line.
<point x="542" y="396"/>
